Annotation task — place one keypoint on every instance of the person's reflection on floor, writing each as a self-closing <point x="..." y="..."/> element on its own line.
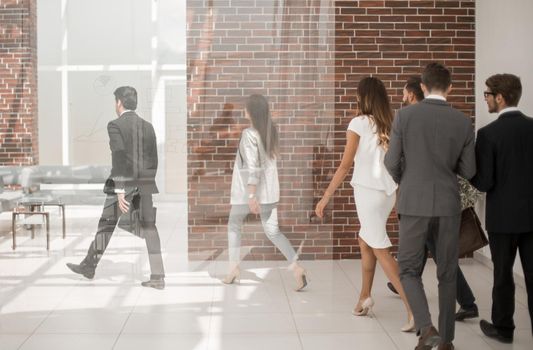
<point x="129" y="188"/>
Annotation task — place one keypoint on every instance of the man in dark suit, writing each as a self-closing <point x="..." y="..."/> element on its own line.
<point x="129" y="188"/>
<point x="431" y="143"/>
<point x="504" y="152"/>
<point x="413" y="94"/>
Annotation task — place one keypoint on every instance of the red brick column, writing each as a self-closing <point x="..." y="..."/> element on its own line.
<point x="392" y="40"/>
<point x="308" y="60"/>
<point x="18" y="82"/>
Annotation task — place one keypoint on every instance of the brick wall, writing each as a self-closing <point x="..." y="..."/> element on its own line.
<point x="307" y="56"/>
<point x="236" y="48"/>
<point x="18" y="82"/>
<point x="392" y="40"/>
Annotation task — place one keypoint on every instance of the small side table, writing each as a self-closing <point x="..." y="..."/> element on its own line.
<point x="41" y="205"/>
<point x="19" y="211"/>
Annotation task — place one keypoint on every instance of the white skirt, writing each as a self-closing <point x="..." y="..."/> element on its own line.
<point x="373" y="209"/>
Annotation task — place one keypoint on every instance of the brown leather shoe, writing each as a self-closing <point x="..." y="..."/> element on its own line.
<point x="447" y="346"/>
<point x="429" y="339"/>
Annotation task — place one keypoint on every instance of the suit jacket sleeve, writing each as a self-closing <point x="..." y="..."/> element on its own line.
<point x="484" y="179"/>
<point x="118" y="155"/>
<point x="394" y="155"/>
<point x="152" y="160"/>
<point x="466" y="165"/>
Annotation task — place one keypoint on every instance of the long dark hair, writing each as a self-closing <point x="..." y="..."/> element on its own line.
<point x="374" y="102"/>
<point x="257" y="108"/>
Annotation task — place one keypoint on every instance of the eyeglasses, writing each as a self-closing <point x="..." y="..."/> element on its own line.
<point x="488" y="93"/>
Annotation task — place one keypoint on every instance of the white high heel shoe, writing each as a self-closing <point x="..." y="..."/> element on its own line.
<point x="410" y="325"/>
<point x="365" y="308"/>
<point x="234" y="275"/>
<point x="299" y="276"/>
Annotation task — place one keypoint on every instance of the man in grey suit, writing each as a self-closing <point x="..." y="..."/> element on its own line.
<point x="431" y="143"/>
<point x="413" y="94"/>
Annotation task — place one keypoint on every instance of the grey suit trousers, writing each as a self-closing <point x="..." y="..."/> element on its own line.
<point x="414" y="232"/>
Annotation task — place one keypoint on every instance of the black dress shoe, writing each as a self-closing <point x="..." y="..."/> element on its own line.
<point x="391" y="287"/>
<point x="464" y="314"/>
<point x="81" y="269"/>
<point x="154" y="283"/>
<point x="492" y="332"/>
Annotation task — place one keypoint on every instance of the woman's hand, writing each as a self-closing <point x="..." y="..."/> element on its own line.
<point x="352" y="142"/>
<point x="321" y="205"/>
<point x="253" y="205"/>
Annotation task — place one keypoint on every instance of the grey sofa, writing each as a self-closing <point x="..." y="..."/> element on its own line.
<point x="71" y="185"/>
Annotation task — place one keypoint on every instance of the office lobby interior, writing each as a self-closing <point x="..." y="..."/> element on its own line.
<point x="193" y="64"/>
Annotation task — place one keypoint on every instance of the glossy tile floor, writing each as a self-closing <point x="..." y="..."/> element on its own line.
<point x="44" y="306"/>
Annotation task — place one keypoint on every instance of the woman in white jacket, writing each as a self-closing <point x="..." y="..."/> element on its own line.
<point x="255" y="188"/>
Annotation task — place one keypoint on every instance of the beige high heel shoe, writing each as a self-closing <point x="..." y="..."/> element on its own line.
<point x="299" y="276"/>
<point x="364" y="308"/>
<point x="234" y="275"/>
<point x="410" y="325"/>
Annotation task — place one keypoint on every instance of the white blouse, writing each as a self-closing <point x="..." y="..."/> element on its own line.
<point x="254" y="167"/>
<point x="369" y="170"/>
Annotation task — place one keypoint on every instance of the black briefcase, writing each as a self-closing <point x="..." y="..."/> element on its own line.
<point x="131" y="221"/>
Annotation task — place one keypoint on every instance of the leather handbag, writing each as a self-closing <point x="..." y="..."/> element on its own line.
<point x="471" y="234"/>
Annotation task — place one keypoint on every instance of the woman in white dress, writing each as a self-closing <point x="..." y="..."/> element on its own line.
<point x="255" y="188"/>
<point x="374" y="189"/>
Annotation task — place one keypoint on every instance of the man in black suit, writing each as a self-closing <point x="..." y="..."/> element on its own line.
<point x="133" y="147"/>
<point x="504" y="153"/>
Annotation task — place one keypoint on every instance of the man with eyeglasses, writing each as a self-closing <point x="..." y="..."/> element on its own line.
<point x="504" y="154"/>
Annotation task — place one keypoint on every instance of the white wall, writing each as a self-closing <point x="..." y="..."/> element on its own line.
<point x="86" y="50"/>
<point x="504" y="32"/>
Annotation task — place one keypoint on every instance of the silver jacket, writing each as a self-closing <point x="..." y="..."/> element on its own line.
<point x="253" y="166"/>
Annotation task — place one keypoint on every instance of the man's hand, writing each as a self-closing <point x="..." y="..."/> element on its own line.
<point x="123" y="204"/>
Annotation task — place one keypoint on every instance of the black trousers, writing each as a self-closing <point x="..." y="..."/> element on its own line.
<point x="109" y="219"/>
<point x="503" y="248"/>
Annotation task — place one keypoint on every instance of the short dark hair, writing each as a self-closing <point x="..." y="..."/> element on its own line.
<point x="508" y="85"/>
<point x="128" y="96"/>
<point x="436" y="77"/>
<point x="413" y="85"/>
